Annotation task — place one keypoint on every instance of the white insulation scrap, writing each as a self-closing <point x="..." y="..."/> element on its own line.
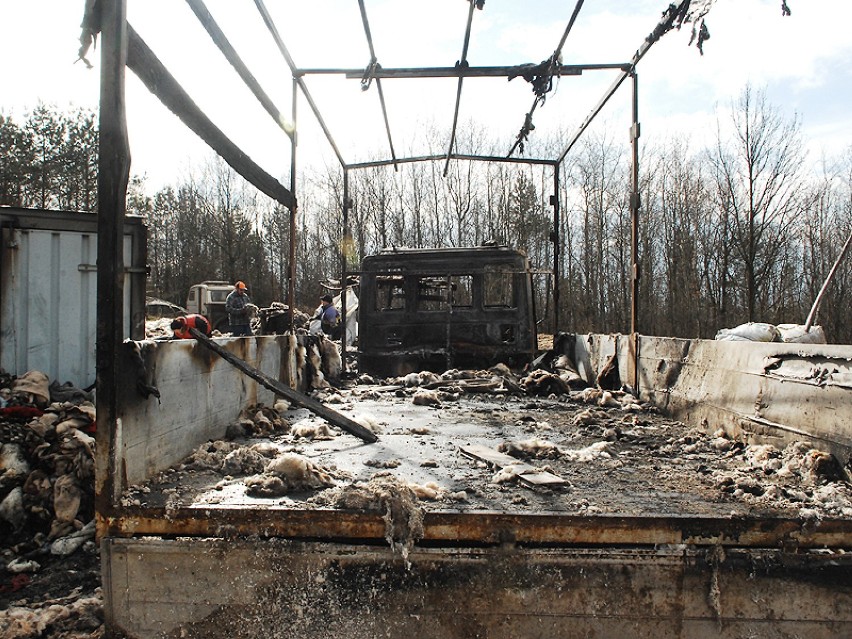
<point x="506" y="475"/>
<point x="589" y="453"/>
<point x="299" y="471"/>
<point x="425" y="397"/>
<point x="368" y="421"/>
<point x="585" y="418"/>
<point x="608" y="400"/>
<point x="307" y="430"/>
<point x="288" y="473"/>
<point x="244" y="461"/>
<point x="13" y="462"/>
<point x="430" y="490"/>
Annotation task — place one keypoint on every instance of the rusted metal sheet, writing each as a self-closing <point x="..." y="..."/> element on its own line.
<point x="484" y="527"/>
<point x="267" y="588"/>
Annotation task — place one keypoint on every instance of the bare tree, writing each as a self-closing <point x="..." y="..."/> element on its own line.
<point x="757" y="179"/>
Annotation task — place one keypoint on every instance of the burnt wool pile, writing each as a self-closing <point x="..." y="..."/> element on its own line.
<point x="47" y="466"/>
<point x="47" y="527"/>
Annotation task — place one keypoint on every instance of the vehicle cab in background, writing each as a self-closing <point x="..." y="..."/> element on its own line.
<point x="437" y="309"/>
<point x="208" y="299"/>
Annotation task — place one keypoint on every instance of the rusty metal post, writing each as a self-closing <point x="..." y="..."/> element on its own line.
<point x="557" y="247"/>
<point x="113" y="172"/>
<point x="635" y="203"/>
<point x="291" y="284"/>
<point x="344" y="247"/>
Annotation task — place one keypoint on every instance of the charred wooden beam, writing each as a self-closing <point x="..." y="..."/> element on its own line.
<point x="279" y="42"/>
<point x="148" y="68"/>
<point x="341" y="421"/>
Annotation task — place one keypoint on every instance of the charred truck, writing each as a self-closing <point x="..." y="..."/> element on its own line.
<point x="439" y="309"/>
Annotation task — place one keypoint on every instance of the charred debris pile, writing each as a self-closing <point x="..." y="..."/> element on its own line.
<point x="535" y="441"/>
<point x="494" y="439"/>
<point x="50" y="572"/>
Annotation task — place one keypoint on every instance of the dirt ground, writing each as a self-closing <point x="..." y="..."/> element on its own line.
<point x="60" y="601"/>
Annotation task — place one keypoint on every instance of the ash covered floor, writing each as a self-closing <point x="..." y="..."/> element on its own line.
<point x="610" y="453"/>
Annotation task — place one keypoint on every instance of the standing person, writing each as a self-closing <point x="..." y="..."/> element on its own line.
<point x="182" y="323"/>
<point x="329" y="318"/>
<point x="238" y="313"/>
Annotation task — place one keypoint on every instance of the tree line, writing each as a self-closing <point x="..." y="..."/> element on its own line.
<point x="744" y="229"/>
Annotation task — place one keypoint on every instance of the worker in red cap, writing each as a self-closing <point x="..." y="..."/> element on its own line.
<point x="181" y="325"/>
<point x="238" y="312"/>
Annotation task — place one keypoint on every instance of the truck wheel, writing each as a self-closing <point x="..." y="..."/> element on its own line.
<point x="222" y="325"/>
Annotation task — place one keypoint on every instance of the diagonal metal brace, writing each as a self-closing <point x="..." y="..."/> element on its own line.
<point x="335" y="418"/>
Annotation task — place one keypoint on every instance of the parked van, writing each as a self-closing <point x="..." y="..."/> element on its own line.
<point x="436" y="309"/>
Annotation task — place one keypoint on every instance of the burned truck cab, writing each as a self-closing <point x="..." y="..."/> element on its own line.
<point x="437" y="309"/>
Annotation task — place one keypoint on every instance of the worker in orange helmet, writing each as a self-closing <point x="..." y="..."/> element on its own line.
<point x="181" y="325"/>
<point x="237" y="306"/>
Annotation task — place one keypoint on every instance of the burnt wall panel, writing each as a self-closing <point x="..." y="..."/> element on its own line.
<point x="200" y="395"/>
<point x="267" y="588"/>
<point x="771" y="392"/>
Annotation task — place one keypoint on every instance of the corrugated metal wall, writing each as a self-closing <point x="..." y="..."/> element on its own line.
<point x="49" y="295"/>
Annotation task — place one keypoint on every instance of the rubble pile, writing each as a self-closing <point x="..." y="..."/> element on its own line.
<point x="577" y="450"/>
<point x="49" y="566"/>
<point x="798" y="477"/>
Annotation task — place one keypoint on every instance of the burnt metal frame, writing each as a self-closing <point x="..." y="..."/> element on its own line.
<point x="450" y="528"/>
<point x="121" y="47"/>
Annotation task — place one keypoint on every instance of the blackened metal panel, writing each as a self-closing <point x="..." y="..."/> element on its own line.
<point x="247" y="589"/>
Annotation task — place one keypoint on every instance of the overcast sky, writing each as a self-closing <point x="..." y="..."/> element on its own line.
<point x="803" y="61"/>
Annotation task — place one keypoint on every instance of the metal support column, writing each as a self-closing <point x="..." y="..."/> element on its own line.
<point x="635" y="203"/>
<point x="344" y="248"/>
<point x="291" y="284"/>
<point x="113" y="173"/>
<point x="557" y="246"/>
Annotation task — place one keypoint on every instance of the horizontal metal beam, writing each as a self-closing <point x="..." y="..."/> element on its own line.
<point x="456" y="72"/>
<point x="499" y="158"/>
<point x="454" y="156"/>
<point x="458" y="528"/>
